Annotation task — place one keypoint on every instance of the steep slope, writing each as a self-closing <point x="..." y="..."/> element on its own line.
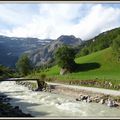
<point x="46" y="54"/>
<point x="99" y="42"/>
<point x="11" y="48"/>
<point x="109" y="67"/>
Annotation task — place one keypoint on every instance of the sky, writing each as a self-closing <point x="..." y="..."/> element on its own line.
<point x="51" y="20"/>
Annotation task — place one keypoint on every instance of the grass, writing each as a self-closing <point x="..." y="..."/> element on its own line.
<point x="109" y="69"/>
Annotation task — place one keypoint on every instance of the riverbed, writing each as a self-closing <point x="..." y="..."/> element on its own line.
<point x="44" y="104"/>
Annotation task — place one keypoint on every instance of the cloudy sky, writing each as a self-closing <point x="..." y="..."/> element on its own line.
<point x="52" y="20"/>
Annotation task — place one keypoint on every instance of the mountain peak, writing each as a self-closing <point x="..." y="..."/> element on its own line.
<point x="69" y="39"/>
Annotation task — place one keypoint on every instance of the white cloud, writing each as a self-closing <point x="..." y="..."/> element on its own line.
<point x="15" y="14"/>
<point x="54" y="20"/>
<point x="98" y="20"/>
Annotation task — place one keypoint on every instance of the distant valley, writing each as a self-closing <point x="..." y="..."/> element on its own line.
<point x="45" y="54"/>
<point x="12" y="47"/>
<point x="40" y="51"/>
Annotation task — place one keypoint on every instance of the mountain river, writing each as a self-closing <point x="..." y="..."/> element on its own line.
<point x="43" y="104"/>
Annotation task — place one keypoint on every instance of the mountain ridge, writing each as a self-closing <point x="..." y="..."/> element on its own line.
<point x="12" y="47"/>
<point x="45" y="55"/>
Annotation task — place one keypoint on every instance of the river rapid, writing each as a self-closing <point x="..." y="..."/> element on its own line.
<point x="43" y="104"/>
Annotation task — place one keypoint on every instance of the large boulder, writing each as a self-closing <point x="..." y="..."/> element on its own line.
<point x="42" y="85"/>
<point x="111" y="103"/>
<point x="102" y="101"/>
<point x="64" y="71"/>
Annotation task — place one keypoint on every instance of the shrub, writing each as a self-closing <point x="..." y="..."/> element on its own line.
<point x="43" y="76"/>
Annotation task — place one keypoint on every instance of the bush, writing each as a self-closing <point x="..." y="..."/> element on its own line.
<point x="43" y="76"/>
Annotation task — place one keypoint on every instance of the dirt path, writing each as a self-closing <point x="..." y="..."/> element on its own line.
<point x="96" y="90"/>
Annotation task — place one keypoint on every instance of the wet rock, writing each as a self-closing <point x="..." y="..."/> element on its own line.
<point x="110" y="103"/>
<point x="38" y="89"/>
<point x="63" y="71"/>
<point x="3" y="96"/>
<point x="47" y="89"/>
<point x="78" y="99"/>
<point x="23" y="83"/>
<point x="59" y="103"/>
<point x="33" y="89"/>
<point x="97" y="100"/>
<point x="102" y="101"/>
<point x="16" y="107"/>
<point x="116" y="105"/>
<point x="84" y="100"/>
<point x="89" y="100"/>
<point x="84" y="97"/>
<point x="28" y="115"/>
<point x="8" y="104"/>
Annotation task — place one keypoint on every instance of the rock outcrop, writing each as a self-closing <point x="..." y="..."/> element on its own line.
<point x="46" y="54"/>
<point x="64" y="71"/>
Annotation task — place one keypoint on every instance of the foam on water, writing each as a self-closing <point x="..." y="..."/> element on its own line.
<point x="74" y="107"/>
<point x="42" y="104"/>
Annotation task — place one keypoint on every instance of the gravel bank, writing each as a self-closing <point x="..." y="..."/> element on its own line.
<point x="88" y="94"/>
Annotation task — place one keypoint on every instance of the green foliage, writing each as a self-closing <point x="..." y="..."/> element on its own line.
<point x="5" y="72"/>
<point x="24" y="65"/>
<point x="108" y="71"/>
<point x="43" y="76"/>
<point x="65" y="57"/>
<point x="109" y="68"/>
<point x="84" y="51"/>
<point x="116" y="47"/>
<point x="100" y="42"/>
<point x="3" y="69"/>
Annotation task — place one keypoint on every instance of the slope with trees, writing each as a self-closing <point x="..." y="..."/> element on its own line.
<point x="100" y="42"/>
<point x="23" y="65"/>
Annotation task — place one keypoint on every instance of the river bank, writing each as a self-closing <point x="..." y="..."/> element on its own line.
<point x="110" y="98"/>
<point x="49" y="104"/>
<point x="86" y="95"/>
<point x="7" y="110"/>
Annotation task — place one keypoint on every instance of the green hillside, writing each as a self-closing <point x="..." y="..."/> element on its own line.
<point x="109" y="67"/>
<point x="99" y="66"/>
<point x="99" y="42"/>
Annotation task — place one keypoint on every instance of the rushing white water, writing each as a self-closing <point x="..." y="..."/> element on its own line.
<point x="43" y="104"/>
